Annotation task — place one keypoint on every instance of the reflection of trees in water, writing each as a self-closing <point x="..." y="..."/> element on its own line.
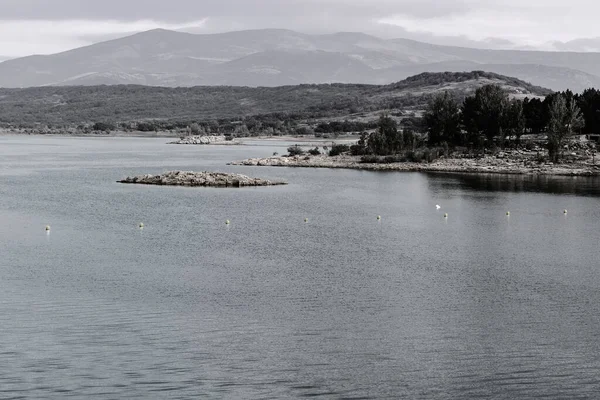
<point x="588" y="186"/>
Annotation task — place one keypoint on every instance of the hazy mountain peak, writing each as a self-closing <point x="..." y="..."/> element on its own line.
<point x="270" y="57"/>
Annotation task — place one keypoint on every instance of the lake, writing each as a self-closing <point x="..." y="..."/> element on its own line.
<point x="478" y="305"/>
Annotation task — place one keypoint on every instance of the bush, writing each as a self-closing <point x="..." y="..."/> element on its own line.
<point x="295" y="151"/>
<point x="358" y="150"/>
<point x="195" y="129"/>
<point x="146" y="126"/>
<point x="369" y="159"/>
<point x="338" y="149"/>
<point x="414" y="156"/>
<point x="445" y="149"/>
<point x="304" y="131"/>
<point x="104" y="126"/>
<point x="314" y="152"/>
<point x="373" y="159"/>
<point x="393" y="159"/>
<point x="529" y="145"/>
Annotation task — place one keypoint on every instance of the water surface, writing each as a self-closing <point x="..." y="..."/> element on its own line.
<point x="479" y="305"/>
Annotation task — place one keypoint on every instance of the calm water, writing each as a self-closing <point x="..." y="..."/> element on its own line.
<point x="414" y="306"/>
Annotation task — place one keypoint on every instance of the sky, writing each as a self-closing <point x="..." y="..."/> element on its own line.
<point x="49" y="26"/>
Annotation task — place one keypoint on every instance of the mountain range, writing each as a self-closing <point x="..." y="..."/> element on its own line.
<point x="283" y="57"/>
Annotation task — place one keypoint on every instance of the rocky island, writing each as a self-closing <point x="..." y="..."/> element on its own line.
<point x="204" y="179"/>
<point x="206" y="140"/>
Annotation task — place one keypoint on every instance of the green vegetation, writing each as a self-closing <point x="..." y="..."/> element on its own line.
<point x="337" y="149"/>
<point x="326" y="110"/>
<point x="295" y="150"/>
<point x="489" y="118"/>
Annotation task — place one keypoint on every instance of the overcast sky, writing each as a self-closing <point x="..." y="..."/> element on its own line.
<point x="49" y="26"/>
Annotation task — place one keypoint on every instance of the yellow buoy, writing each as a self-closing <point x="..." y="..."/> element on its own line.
<point x="305" y="219"/>
<point x="379" y="217"/>
<point x="227" y="222"/>
<point x="48" y="228"/>
<point x="141" y="225"/>
<point x="508" y="213"/>
<point x="445" y="215"/>
<point x="565" y="212"/>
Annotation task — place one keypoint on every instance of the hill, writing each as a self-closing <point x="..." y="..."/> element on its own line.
<point x="68" y="106"/>
<point x="282" y="57"/>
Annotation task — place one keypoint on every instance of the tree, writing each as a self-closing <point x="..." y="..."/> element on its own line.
<point x="589" y="103"/>
<point x="557" y="128"/>
<point x="387" y="139"/>
<point x="575" y="120"/>
<point x="515" y="120"/>
<point x="470" y="118"/>
<point x="442" y="120"/>
<point x="195" y="129"/>
<point x="360" y="148"/>
<point x="492" y="102"/>
<point x="536" y="119"/>
<point x="241" y="130"/>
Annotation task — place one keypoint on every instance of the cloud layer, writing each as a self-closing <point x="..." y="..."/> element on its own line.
<point x="42" y="26"/>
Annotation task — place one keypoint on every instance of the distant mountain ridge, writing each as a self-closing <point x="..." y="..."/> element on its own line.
<point x="278" y="57"/>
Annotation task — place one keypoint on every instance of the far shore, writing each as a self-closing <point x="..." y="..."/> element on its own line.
<point x="301" y="140"/>
<point x="485" y="165"/>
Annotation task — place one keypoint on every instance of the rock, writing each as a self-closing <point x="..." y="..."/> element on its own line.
<point x="207" y="179"/>
<point x="205" y="140"/>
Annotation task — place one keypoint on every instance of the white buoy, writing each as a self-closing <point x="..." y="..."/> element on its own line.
<point x="228" y="222"/>
<point x="379" y="218"/>
<point x="48" y="228"/>
<point x="508" y="213"/>
<point x="445" y="215"/>
<point x="438" y="207"/>
<point x="565" y="212"/>
<point x="141" y="225"/>
<point x="305" y="219"/>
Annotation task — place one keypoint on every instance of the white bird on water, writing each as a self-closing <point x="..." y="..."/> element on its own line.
<point x="438" y="207"/>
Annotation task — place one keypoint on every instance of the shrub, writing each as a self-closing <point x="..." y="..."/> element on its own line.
<point x="295" y="151"/>
<point x="445" y="149"/>
<point x="104" y="126"/>
<point x="369" y="159"/>
<point x="338" y="149"/>
<point x="195" y="129"/>
<point x="529" y="145"/>
<point x="358" y="150"/>
<point x="393" y="159"/>
<point x="314" y="152"/>
<point x="146" y="126"/>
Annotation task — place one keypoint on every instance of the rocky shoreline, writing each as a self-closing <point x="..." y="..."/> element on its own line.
<point x="206" y="140"/>
<point x="203" y="179"/>
<point x="499" y="164"/>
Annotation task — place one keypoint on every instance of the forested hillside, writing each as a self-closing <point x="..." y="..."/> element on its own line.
<point x="150" y="108"/>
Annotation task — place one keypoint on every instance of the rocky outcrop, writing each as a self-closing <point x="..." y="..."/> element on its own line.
<point x="488" y="164"/>
<point x="205" y="140"/>
<point x="206" y="179"/>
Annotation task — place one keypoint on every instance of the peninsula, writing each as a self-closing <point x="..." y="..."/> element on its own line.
<point x="517" y="163"/>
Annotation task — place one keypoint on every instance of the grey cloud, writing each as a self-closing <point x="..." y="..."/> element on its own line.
<point x="186" y="10"/>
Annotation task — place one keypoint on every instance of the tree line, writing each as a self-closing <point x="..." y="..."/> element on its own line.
<point x="489" y="118"/>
